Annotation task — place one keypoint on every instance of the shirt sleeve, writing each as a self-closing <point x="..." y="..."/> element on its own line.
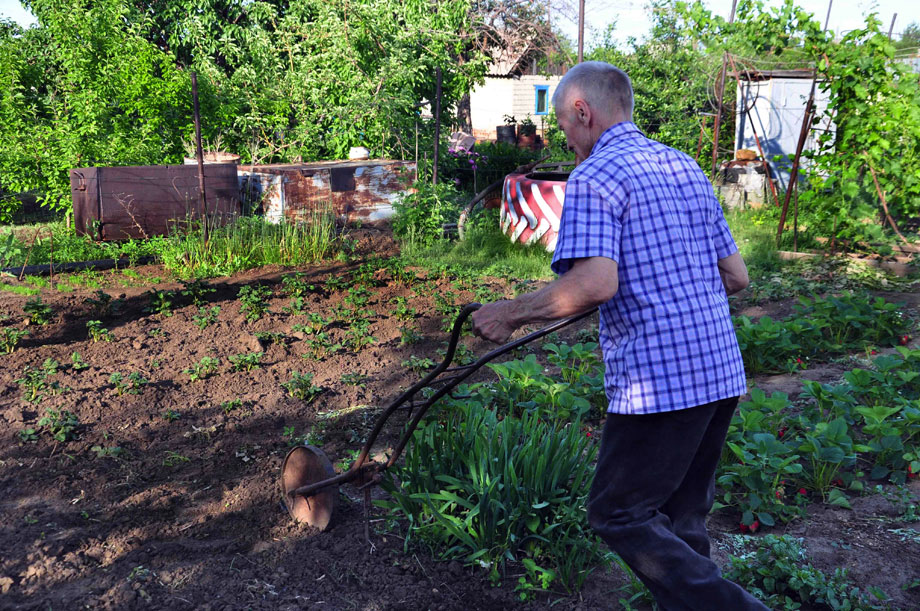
<point x="722" y="236"/>
<point x="590" y="225"/>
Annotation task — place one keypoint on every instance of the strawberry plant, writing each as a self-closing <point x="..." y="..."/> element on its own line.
<point x="100" y="303"/>
<point x="252" y="301"/>
<point x="320" y="346"/>
<point x="231" y="405"/>
<point x="34" y="383"/>
<point x="354" y="379"/>
<point x="294" y="286"/>
<point x="271" y="337"/>
<point x="335" y="283"/>
<point x="408" y="336"/>
<point x="315" y="323"/>
<point x="245" y="362"/>
<point x="203" y="369"/>
<point x="358" y="335"/>
<point x="97" y="332"/>
<point x="38" y="313"/>
<point x="28" y="435"/>
<point x="10" y="338"/>
<point x="171" y="415"/>
<point x="206" y="316"/>
<point x="297" y="307"/>
<point x="417" y="364"/>
<point x="401" y="309"/>
<point x="301" y="386"/>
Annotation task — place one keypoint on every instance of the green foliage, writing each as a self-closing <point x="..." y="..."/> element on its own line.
<point x="196" y="291"/>
<point x="301" y="386"/>
<point x="514" y="491"/>
<point x="97" y="332"/>
<point x="77" y="362"/>
<point x="39" y="313"/>
<point x="421" y="212"/>
<point x="776" y="570"/>
<point x="245" y="362"/>
<point x="161" y="302"/>
<point x="203" y="369"/>
<point x="10" y="338"/>
<point x="61" y="426"/>
<point x="206" y="316"/>
<point x="417" y="364"/>
<point x="133" y="383"/>
<point x="252" y="301"/>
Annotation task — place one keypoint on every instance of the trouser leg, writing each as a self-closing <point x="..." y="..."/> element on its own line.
<point x="652" y="468"/>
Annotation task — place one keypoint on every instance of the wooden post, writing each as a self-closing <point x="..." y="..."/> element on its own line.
<point x="437" y="127"/>
<point x="803" y="135"/>
<point x="720" y="94"/>
<point x="200" y="155"/>
<point x="581" y="31"/>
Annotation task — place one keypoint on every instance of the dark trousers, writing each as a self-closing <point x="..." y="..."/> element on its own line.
<point x="653" y="488"/>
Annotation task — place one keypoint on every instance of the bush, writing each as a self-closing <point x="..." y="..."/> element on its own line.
<point x="421" y="213"/>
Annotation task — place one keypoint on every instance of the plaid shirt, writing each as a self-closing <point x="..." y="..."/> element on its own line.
<point x="666" y="336"/>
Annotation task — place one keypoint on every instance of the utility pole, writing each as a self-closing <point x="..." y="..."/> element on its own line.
<point x="720" y="93"/>
<point x="581" y="31"/>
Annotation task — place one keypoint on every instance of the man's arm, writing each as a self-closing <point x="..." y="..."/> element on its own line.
<point x="589" y="283"/>
<point x="734" y="273"/>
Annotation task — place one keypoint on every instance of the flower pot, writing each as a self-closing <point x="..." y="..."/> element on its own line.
<point x="506" y="133"/>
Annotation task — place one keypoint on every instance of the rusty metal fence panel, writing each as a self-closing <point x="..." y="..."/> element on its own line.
<point x="116" y="203"/>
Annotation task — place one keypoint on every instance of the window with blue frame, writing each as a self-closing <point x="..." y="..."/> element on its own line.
<point x="541" y="99"/>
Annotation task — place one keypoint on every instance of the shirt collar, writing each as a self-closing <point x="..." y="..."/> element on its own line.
<point x="625" y="129"/>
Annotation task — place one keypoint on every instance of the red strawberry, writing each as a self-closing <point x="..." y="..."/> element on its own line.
<point x="802" y="491"/>
<point x="873" y="352"/>
<point x="754" y="526"/>
<point x="905" y="339"/>
<point x="744" y="527"/>
<point x="779" y="494"/>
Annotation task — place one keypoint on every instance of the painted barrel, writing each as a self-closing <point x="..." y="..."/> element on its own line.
<point x="532" y="206"/>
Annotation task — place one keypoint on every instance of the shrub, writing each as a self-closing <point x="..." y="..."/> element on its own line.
<point x="421" y="213"/>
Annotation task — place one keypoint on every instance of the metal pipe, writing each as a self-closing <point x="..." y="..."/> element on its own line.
<point x="200" y="155"/>
<point x="437" y="127"/>
<point x="720" y="94"/>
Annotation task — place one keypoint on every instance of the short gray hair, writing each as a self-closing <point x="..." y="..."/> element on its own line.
<point x="603" y="86"/>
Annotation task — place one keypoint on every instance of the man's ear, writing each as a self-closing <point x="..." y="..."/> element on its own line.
<point x="582" y="112"/>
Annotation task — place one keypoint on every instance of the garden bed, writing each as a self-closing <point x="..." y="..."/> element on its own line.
<point x="168" y="498"/>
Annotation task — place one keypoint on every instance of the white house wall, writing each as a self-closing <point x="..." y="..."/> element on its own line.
<point x="497" y="97"/>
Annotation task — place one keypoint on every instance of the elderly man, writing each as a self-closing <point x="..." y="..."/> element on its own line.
<point x="643" y="238"/>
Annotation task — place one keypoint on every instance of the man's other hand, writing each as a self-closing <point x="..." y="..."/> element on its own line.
<point x="493" y="321"/>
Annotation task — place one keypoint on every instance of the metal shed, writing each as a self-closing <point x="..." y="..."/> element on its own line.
<point x="775" y="103"/>
<point x="116" y="203"/>
<point x="357" y="189"/>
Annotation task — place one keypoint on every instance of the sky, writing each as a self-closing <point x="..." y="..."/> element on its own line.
<point x="631" y="16"/>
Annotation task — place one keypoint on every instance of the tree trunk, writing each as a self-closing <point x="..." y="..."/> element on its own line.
<point x="464" y="115"/>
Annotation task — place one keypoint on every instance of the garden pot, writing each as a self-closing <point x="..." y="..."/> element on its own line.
<point x="506" y="133"/>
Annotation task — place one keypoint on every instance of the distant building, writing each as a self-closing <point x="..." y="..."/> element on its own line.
<point x="771" y="104"/>
<point x="514" y="88"/>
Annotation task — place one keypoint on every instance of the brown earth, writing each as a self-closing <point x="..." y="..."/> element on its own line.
<point x="189" y="515"/>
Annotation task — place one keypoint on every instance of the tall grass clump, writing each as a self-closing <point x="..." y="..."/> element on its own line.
<point x="484" y="251"/>
<point x="251" y="242"/>
<point x="754" y="231"/>
<point x="46" y="242"/>
<point x="494" y="492"/>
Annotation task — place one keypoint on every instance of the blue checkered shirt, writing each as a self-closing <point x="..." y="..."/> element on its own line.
<point x="666" y="336"/>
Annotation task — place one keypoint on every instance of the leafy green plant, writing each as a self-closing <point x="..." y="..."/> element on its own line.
<point x="10" y="338"/>
<point x="38" y="312"/>
<point x="28" y="435"/>
<point x="418" y="364"/>
<point x="34" y="383"/>
<point x="245" y="362"/>
<point x="133" y="383"/>
<point x="513" y="492"/>
<point x="252" y="301"/>
<point x="171" y="415"/>
<point x="100" y="303"/>
<point x="161" y="302"/>
<point x="97" y="332"/>
<point x="354" y="379"/>
<point x="358" y="335"/>
<point x="203" y="369"/>
<point x="271" y="337"/>
<point x="422" y="211"/>
<point x="776" y="570"/>
<point x="301" y="386"/>
<point x="231" y="405"/>
<point x="408" y="336"/>
<point x="107" y="452"/>
<point x="206" y="316"/>
<point x="173" y="458"/>
<point x="294" y="285"/>
<point x="196" y="291"/>
<point x="62" y="426"/>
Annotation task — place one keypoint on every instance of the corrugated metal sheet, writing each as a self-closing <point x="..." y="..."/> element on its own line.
<point x="357" y="189"/>
<point x="116" y="203"/>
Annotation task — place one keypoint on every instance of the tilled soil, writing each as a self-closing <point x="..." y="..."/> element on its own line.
<point x="145" y="510"/>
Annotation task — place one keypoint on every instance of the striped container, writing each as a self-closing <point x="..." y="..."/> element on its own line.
<point x="532" y="206"/>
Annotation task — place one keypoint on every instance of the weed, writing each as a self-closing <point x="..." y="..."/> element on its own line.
<point x="171" y="415"/>
<point x="346" y="463"/>
<point x="203" y="369"/>
<point x="196" y="291"/>
<point x="97" y="332"/>
<point x="174" y="458"/>
<point x="61" y="425"/>
<point x="206" y="316"/>
<point x="38" y="312"/>
<point x="231" y="405"/>
<point x="156" y="332"/>
<point x="245" y="362"/>
<point x="10" y="338"/>
<point x="293" y="439"/>
<point x="252" y="300"/>
<point x="107" y="452"/>
<point x="301" y="386"/>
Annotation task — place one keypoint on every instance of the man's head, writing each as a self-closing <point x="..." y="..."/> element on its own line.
<point x="591" y="97"/>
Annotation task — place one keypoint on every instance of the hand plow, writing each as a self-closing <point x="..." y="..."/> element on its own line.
<point x="309" y="483"/>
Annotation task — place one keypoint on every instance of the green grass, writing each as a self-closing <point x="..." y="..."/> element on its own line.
<point x="755" y="234"/>
<point x="486" y="251"/>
